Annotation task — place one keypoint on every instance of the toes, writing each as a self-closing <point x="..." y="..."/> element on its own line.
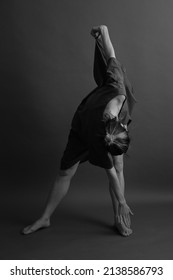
<point x="36" y="226"/>
<point x="121" y="226"/>
<point x="26" y="230"/>
<point x="129" y="232"/>
<point x="29" y="229"/>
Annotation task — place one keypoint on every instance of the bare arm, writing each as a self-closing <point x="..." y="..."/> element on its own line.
<point x="101" y="33"/>
<point x="114" y="105"/>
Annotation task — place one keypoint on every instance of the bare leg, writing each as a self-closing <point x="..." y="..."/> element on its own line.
<point x="59" y="190"/>
<point x="118" y="165"/>
<point x="119" y="224"/>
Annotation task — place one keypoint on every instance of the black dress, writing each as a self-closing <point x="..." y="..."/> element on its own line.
<point x="86" y="138"/>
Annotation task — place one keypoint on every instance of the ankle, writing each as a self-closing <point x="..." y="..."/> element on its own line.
<point x="45" y="218"/>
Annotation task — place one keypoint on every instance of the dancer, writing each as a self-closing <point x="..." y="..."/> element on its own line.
<point x="99" y="134"/>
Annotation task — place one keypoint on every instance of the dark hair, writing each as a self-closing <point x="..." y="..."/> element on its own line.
<point x="117" y="138"/>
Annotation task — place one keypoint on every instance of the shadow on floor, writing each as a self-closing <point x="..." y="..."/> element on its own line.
<point x="82" y="228"/>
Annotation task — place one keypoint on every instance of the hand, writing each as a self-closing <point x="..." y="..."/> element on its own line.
<point x="96" y="31"/>
<point x="124" y="212"/>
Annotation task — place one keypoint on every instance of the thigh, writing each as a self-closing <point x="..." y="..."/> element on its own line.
<point x="118" y="162"/>
<point x="69" y="171"/>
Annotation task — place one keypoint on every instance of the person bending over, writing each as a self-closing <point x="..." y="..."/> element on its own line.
<point x="99" y="134"/>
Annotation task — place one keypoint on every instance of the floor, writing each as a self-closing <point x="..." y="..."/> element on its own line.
<point x="81" y="228"/>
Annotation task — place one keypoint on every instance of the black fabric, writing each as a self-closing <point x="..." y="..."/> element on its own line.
<point x="75" y="151"/>
<point x="99" y="71"/>
<point x="86" y="138"/>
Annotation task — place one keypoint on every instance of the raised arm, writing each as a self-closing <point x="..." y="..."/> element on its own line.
<point x="101" y="34"/>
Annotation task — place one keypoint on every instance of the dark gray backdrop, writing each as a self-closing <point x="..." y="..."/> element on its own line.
<point x="46" y="69"/>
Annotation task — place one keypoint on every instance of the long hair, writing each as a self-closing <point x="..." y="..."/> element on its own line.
<point x="117" y="138"/>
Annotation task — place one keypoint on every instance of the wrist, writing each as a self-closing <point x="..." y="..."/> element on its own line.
<point x="103" y="28"/>
<point x="122" y="202"/>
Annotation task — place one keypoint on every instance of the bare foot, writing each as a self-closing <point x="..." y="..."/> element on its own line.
<point x="39" y="224"/>
<point x="120" y="226"/>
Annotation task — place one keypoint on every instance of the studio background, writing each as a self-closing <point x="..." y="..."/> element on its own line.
<point x="46" y="69"/>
